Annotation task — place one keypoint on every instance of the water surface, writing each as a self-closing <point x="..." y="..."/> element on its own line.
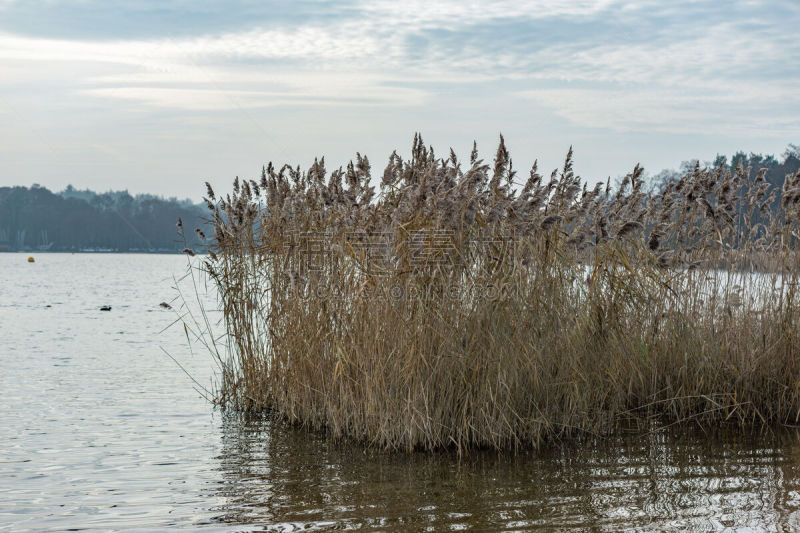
<point x="101" y="430"/>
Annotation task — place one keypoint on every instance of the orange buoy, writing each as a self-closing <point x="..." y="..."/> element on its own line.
<point x="31" y="260"/>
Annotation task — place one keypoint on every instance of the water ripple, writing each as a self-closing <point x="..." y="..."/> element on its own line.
<point x="101" y="431"/>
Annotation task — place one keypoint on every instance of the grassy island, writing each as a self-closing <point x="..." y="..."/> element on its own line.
<point x="459" y="306"/>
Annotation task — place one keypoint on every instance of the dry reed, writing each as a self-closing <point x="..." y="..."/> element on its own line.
<point x="458" y="307"/>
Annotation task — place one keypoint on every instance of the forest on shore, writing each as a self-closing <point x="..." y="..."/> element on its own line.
<point x="35" y="218"/>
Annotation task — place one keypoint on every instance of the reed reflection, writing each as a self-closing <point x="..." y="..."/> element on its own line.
<point x="285" y="478"/>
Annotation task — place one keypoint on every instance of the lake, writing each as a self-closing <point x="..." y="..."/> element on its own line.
<point x="101" y="430"/>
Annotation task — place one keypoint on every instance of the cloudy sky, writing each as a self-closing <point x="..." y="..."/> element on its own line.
<point x="161" y="95"/>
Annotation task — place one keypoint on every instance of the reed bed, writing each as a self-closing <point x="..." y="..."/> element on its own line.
<point x="459" y="306"/>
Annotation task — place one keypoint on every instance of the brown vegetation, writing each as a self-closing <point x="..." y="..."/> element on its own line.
<point x="461" y="308"/>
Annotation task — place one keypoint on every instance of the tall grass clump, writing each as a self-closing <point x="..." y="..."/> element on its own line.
<point x="460" y="306"/>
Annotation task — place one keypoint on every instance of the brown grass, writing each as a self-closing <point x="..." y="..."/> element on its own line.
<point x="462" y="308"/>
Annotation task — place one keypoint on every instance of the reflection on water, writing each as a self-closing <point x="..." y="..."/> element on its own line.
<point x="100" y="430"/>
<point x="285" y="479"/>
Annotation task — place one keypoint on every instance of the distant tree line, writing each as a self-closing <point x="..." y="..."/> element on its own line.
<point x="75" y="220"/>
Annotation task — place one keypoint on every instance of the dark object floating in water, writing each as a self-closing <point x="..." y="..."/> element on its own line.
<point x="165" y="305"/>
<point x="106" y="308"/>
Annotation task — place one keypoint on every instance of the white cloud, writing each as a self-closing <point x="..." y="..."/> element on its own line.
<point x="446" y="13"/>
<point x="301" y="93"/>
<point x="305" y="43"/>
<point x="167" y="72"/>
<point x="718" y="82"/>
<point x="736" y="112"/>
<point x="723" y="51"/>
<point x="663" y="82"/>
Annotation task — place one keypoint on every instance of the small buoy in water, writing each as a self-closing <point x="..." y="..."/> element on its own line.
<point x="106" y="308"/>
<point x="31" y="260"/>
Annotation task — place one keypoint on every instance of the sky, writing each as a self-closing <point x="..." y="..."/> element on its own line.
<point x="159" y="96"/>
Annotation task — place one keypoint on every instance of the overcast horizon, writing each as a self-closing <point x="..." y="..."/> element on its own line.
<point x="160" y="96"/>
